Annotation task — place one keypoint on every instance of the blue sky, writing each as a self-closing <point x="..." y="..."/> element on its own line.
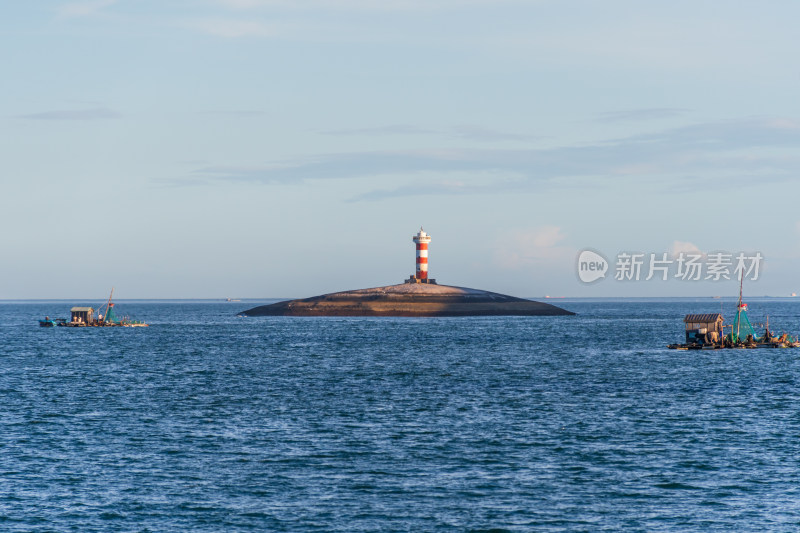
<point x="270" y="148"/>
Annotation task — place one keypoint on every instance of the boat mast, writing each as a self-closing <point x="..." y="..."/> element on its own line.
<point x="108" y="304"/>
<point x="741" y="283"/>
<point x="739" y="307"/>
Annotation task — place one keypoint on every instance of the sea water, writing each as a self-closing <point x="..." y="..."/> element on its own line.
<point x="207" y="421"/>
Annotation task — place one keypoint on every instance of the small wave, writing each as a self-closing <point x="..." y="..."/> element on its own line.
<point x="677" y="486"/>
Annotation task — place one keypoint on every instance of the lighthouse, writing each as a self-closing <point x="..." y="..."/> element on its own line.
<point x="421" y="240"/>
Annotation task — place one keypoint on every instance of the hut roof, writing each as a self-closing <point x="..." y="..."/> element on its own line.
<point x="80" y="309"/>
<point x="704" y="317"/>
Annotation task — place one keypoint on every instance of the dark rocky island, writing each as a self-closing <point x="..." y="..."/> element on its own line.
<point x="410" y="299"/>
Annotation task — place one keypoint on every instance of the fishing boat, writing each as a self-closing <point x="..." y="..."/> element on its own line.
<point x="706" y="332"/>
<point x="86" y="317"/>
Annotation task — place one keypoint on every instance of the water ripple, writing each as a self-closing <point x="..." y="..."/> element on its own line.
<point x="209" y="422"/>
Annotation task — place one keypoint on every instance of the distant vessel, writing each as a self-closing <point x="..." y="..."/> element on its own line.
<point x="232" y="300"/>
<point x="83" y="317"/>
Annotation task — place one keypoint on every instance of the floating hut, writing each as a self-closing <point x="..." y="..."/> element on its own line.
<point x="703" y="328"/>
<point x="82" y="315"/>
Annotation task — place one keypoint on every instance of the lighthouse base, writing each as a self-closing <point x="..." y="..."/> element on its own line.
<point x="414" y="279"/>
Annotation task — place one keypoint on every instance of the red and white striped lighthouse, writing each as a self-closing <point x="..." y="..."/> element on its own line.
<point x="422" y="239"/>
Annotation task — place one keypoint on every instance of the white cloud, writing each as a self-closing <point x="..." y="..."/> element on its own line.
<point x="242" y="4"/>
<point x="371" y="5"/>
<point x="75" y="114"/>
<point x="533" y="246"/>
<point x="782" y="123"/>
<point x="745" y="153"/>
<point x="474" y="132"/>
<point x="471" y="132"/>
<point x="231" y="28"/>
<point x="544" y="237"/>
<point x="700" y="46"/>
<point x="391" y="129"/>
<point x="85" y="8"/>
<point x="684" y="247"/>
<point x="648" y="114"/>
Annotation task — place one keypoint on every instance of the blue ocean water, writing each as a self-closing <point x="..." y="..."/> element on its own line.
<point x="206" y="421"/>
